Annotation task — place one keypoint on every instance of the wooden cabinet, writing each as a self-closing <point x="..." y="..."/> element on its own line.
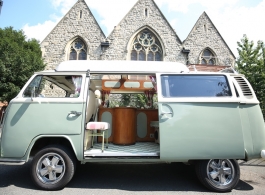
<point x="144" y="130"/>
<point x="106" y="115"/>
<point x="128" y="125"/>
<point x="124" y="126"/>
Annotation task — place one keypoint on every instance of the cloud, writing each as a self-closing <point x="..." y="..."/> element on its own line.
<point x="234" y="22"/>
<point x="183" y="6"/>
<point x="111" y="11"/>
<point x="39" y="31"/>
<point x="173" y="22"/>
<point x="63" y="5"/>
<point x="231" y="18"/>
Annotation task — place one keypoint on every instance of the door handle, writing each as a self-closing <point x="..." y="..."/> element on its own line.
<point x="75" y="113"/>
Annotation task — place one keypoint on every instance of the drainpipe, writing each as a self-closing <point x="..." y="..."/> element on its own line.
<point x="186" y="51"/>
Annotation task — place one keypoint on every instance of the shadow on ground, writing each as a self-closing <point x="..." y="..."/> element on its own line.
<point x="129" y="177"/>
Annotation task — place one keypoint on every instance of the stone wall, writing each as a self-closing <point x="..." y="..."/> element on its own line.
<point x="135" y="21"/>
<point x="205" y="35"/>
<point x="55" y="46"/>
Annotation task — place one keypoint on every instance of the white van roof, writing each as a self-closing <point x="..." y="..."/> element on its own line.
<point x="132" y="67"/>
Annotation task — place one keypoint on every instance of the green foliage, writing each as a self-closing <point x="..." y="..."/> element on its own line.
<point x="141" y="100"/>
<point x="251" y="63"/>
<point x="19" y="59"/>
<point x="125" y="99"/>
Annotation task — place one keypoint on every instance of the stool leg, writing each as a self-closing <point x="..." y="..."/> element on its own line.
<point x="103" y="141"/>
<point x="107" y="139"/>
<point x="92" y="138"/>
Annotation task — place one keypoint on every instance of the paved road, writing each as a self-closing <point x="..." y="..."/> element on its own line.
<point x="123" y="179"/>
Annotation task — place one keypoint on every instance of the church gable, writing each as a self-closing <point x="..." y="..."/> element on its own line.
<point x="78" y="32"/>
<point x="144" y="18"/>
<point x="206" y="45"/>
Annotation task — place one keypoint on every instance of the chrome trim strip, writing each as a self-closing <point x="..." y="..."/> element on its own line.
<point x="5" y="161"/>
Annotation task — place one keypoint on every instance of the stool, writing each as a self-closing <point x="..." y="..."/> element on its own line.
<point x="99" y="126"/>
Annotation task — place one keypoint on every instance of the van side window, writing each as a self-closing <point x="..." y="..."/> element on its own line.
<point x="195" y="86"/>
<point x="54" y="87"/>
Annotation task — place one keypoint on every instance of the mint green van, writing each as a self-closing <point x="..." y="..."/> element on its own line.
<point x="68" y="115"/>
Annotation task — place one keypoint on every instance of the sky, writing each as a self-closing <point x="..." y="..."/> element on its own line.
<point x="232" y="18"/>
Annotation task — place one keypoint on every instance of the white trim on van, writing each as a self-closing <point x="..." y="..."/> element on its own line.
<point x="128" y="67"/>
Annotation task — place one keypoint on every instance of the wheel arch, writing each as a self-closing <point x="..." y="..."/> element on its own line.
<point x="42" y="141"/>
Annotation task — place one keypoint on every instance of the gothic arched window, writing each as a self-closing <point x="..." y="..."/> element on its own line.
<point x="146" y="47"/>
<point x="78" y="50"/>
<point x="208" y="58"/>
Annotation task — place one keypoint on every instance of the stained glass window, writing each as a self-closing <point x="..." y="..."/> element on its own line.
<point x="78" y="50"/>
<point x="141" y="56"/>
<point x="146" y="47"/>
<point x="73" y="55"/>
<point x="208" y="58"/>
<point x="134" y="55"/>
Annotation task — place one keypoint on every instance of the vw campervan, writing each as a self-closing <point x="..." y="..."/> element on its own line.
<point x="62" y="117"/>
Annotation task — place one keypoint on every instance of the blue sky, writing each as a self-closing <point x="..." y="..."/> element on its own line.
<point x="233" y="18"/>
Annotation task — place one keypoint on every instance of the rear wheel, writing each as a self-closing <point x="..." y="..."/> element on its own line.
<point x="220" y="175"/>
<point x="53" y="167"/>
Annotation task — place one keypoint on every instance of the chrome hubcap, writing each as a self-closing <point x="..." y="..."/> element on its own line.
<point x="50" y="168"/>
<point x="220" y="172"/>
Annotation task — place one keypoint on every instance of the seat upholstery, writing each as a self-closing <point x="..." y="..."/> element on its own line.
<point x="91" y="106"/>
<point x="98" y="126"/>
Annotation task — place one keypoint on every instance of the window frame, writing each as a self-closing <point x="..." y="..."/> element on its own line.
<point x="146" y="49"/>
<point x="161" y="98"/>
<point x="213" y="57"/>
<point x="81" y="94"/>
<point x="76" y="50"/>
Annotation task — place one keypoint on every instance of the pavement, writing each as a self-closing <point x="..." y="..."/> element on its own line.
<point x="132" y="179"/>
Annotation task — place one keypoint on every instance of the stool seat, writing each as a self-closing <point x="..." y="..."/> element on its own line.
<point x="99" y="126"/>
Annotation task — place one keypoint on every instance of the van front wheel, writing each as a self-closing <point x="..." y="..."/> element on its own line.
<point x="53" y="167"/>
<point x="220" y="175"/>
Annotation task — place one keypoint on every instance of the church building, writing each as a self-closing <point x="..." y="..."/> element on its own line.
<point x="143" y="34"/>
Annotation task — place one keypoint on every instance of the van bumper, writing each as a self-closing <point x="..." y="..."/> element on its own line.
<point x="262" y="154"/>
<point x="11" y="162"/>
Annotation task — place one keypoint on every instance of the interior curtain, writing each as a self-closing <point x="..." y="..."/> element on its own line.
<point x="77" y="80"/>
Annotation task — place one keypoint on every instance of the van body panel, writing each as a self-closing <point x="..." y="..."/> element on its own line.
<point x="223" y="126"/>
<point x="25" y="121"/>
<point x="73" y="139"/>
<point x="200" y="131"/>
<point x="253" y="129"/>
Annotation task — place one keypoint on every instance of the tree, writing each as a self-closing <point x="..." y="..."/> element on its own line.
<point x="19" y="59"/>
<point x="251" y="63"/>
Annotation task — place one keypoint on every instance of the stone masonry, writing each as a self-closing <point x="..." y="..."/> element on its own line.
<point x="144" y="15"/>
<point x="205" y="35"/>
<point x="55" y="46"/>
<point x="135" y="21"/>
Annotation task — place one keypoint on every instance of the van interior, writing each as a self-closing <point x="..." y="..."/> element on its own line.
<point x="129" y="104"/>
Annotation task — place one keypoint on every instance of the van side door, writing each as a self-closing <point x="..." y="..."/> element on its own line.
<point x="198" y="117"/>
